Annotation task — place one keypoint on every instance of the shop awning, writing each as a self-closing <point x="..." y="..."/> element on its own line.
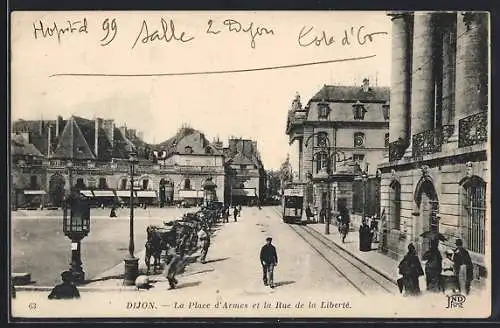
<point x="104" y="193"/>
<point x="146" y="194"/>
<point x="190" y="193"/>
<point x="123" y="193"/>
<point x="35" y="192"/>
<point x="250" y="192"/>
<point x="87" y="193"/>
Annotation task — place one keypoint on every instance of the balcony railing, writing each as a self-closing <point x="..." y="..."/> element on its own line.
<point x="396" y="151"/>
<point x="427" y="142"/>
<point x="473" y="129"/>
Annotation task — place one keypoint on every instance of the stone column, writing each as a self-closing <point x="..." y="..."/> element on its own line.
<point x="302" y="175"/>
<point x="449" y="58"/>
<point x="471" y="90"/>
<point x="423" y="90"/>
<point x="400" y="76"/>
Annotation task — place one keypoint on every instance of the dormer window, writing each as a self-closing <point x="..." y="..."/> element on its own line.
<point x="188" y="149"/>
<point x="323" y="111"/>
<point x="208" y="150"/>
<point x="359" y="110"/>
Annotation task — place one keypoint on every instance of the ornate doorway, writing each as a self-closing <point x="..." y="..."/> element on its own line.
<point x="428" y="207"/>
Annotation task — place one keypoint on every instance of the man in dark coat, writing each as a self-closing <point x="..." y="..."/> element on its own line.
<point x="235" y="214"/>
<point x="268" y="259"/>
<point x="463" y="267"/>
<point x="345" y="221"/>
<point x="410" y="268"/>
<point x="365" y="237"/>
<point x="65" y="290"/>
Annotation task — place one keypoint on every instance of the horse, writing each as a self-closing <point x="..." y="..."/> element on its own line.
<point x="153" y="248"/>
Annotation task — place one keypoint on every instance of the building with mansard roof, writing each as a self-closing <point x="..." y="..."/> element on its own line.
<point x="341" y="131"/>
<point x="245" y="174"/>
<point x="434" y="181"/>
<point x="94" y="155"/>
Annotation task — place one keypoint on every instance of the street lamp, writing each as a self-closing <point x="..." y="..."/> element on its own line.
<point x="76" y="226"/>
<point x="131" y="262"/>
<point x="364" y="178"/>
<point x="324" y="175"/>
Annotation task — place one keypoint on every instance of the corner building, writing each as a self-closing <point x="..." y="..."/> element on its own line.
<point x="436" y="175"/>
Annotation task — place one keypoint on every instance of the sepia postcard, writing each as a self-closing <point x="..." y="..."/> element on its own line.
<point x="202" y="164"/>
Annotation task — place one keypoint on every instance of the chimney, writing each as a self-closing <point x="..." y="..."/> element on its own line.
<point x="40" y="127"/>
<point x="123" y="130"/>
<point x="58" y="125"/>
<point x="366" y="85"/>
<point x="109" y="127"/>
<point x="97" y="126"/>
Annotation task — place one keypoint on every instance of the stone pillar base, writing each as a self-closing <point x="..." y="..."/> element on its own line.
<point x="131" y="271"/>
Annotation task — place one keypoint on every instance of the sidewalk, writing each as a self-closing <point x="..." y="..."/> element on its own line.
<point x="373" y="259"/>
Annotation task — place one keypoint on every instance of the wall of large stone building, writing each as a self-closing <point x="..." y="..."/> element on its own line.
<point x="446" y="179"/>
<point x="374" y="147"/>
<point x="114" y="180"/>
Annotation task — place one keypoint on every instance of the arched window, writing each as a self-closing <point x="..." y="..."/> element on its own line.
<point x="322" y="139"/>
<point x="321" y="161"/>
<point x="187" y="184"/>
<point x="145" y="184"/>
<point x="395" y="205"/>
<point x="473" y="213"/>
<point x="359" y="139"/>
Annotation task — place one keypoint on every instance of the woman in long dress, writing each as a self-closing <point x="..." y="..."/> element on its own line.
<point x="411" y="269"/>
<point x="433" y="267"/>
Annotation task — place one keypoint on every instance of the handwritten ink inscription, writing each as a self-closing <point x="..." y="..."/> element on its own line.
<point x="167" y="32"/>
<point x="307" y="37"/>
<point x="235" y="26"/>
<point x="44" y="31"/>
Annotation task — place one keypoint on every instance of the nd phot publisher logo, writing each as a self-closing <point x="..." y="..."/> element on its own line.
<point x="455" y="301"/>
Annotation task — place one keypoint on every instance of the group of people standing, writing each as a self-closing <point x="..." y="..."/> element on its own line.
<point x="454" y="272"/>
<point x="226" y="214"/>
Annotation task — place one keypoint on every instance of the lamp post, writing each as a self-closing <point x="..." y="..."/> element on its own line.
<point x="131" y="262"/>
<point x="76" y="225"/>
<point x="324" y="175"/>
<point x="364" y="178"/>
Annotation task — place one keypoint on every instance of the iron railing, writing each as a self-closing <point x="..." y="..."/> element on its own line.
<point x="426" y="142"/>
<point x="396" y="151"/>
<point x="473" y="129"/>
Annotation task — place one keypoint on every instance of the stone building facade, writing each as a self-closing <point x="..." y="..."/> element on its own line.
<point x="245" y="174"/>
<point x="436" y="176"/>
<point x="93" y="155"/>
<point x="343" y="129"/>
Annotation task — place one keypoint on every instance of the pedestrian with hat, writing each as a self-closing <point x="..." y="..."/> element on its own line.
<point x="268" y="260"/>
<point x="65" y="290"/>
<point x="463" y="268"/>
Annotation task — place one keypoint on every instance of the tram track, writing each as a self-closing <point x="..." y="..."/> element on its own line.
<point x="354" y="271"/>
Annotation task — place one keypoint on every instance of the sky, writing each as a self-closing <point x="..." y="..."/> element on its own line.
<point x="121" y="48"/>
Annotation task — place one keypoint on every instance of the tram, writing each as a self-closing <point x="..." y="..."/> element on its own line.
<point x="292" y="205"/>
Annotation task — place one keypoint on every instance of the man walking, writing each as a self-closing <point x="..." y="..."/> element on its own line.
<point x="204" y="238"/>
<point x="268" y="259"/>
<point x="235" y="214"/>
<point x="462" y="265"/>
<point x="173" y="267"/>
